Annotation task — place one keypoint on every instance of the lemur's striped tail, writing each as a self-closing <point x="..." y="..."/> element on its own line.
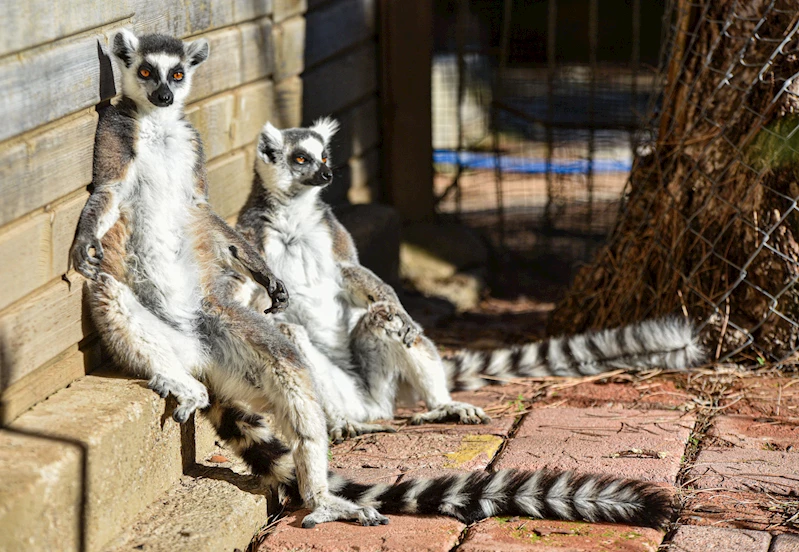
<point x="669" y="343"/>
<point x="468" y="497"/>
<point x="543" y="494"/>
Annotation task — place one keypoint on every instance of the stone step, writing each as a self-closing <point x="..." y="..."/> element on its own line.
<point x="88" y="460"/>
<point x="221" y="512"/>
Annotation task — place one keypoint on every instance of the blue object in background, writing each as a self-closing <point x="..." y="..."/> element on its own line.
<point x="473" y="160"/>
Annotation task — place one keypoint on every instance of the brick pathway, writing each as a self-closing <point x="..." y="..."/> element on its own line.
<point x="728" y="443"/>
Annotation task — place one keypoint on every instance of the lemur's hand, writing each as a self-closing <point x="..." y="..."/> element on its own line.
<point x="82" y="259"/>
<point x="278" y="294"/>
<point x="409" y="331"/>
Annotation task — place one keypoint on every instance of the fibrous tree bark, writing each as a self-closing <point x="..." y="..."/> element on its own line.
<point x="709" y="226"/>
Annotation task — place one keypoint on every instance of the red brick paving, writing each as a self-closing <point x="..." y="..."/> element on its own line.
<point x="636" y="428"/>
<point x="717" y="539"/>
<point x="639" y="444"/>
<point x="521" y="534"/>
<point x="423" y="534"/>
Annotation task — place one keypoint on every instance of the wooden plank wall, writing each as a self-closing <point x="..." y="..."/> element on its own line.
<point x="269" y="61"/>
<point x="340" y="79"/>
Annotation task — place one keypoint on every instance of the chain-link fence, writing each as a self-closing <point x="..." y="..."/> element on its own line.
<point x="537" y="109"/>
<point x="709" y="225"/>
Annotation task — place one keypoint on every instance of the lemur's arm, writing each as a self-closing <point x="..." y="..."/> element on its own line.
<point x="113" y="154"/>
<point x="252" y="261"/>
<point x="362" y="286"/>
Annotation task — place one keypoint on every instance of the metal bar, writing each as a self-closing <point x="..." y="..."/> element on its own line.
<point x="552" y="26"/>
<point x="498" y="84"/>
<point x="593" y="39"/>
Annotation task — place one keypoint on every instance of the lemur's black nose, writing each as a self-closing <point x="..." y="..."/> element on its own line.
<point x="326" y="174"/>
<point x="165" y="96"/>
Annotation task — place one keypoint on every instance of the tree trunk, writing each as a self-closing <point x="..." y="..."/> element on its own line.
<point x="709" y="224"/>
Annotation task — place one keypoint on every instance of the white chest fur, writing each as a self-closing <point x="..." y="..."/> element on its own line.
<point x="299" y="249"/>
<point x="160" y="202"/>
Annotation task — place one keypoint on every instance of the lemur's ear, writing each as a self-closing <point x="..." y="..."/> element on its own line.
<point x="326" y="127"/>
<point x="124" y="45"/>
<point x="270" y="142"/>
<point x="197" y="52"/>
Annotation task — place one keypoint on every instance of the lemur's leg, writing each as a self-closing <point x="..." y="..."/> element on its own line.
<point x="339" y="395"/>
<point x="249" y="349"/>
<point x="152" y="349"/>
<point x="378" y="344"/>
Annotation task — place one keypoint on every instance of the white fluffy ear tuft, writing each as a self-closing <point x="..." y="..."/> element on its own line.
<point x="270" y="142"/>
<point x="326" y="127"/>
<point x="123" y="45"/>
<point x="197" y="51"/>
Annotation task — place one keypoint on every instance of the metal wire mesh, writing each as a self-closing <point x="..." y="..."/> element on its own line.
<point x="534" y="133"/>
<point x="709" y="222"/>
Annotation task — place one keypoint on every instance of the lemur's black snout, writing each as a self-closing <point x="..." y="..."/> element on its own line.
<point x="322" y="177"/>
<point x="326" y="174"/>
<point x="162" y="97"/>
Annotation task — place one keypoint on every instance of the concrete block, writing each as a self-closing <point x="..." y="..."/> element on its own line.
<point x="40" y="492"/>
<point x="283" y="9"/>
<point x="344" y="80"/>
<point x="133" y="451"/>
<point x="202" y="515"/>
<point x="337" y="26"/>
<point x="690" y="538"/>
<point x="423" y="534"/>
<point x="27" y="180"/>
<point x="289" y="40"/>
<point x="645" y="445"/>
<point x="288" y="103"/>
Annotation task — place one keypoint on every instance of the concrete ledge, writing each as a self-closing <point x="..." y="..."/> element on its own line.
<point x="198" y="514"/>
<point x="132" y="452"/>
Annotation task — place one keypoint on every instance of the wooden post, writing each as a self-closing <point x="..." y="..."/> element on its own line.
<point x="406" y="40"/>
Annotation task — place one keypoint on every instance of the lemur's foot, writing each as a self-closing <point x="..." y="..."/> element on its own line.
<point x="395" y="321"/>
<point x="334" y="508"/>
<point x="463" y="412"/>
<point x="279" y="296"/>
<point x="346" y="429"/>
<point x="190" y="394"/>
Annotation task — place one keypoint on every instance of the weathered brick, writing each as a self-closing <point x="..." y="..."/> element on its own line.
<point x="757" y="433"/>
<point x="690" y="538"/>
<point x="785" y="543"/>
<point x="433" y="534"/>
<point x="344" y="80"/>
<point x="734" y="469"/>
<point x="288" y="103"/>
<point x="521" y="534"/>
<point x="737" y="510"/>
<point x="662" y="394"/>
<point x="324" y="36"/>
<point x="283" y="9"/>
<point x="288" y="38"/>
<point x="27" y="180"/>
<point x="645" y="445"/>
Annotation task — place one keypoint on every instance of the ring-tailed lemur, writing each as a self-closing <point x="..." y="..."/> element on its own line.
<point x="158" y="284"/>
<point x="364" y="348"/>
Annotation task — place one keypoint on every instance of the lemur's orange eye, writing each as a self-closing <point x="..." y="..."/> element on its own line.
<point x="177" y="75"/>
<point x="144" y="73"/>
<point x="324" y="159"/>
<point x="300" y="159"/>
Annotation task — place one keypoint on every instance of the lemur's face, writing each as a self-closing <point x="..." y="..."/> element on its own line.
<point x="299" y="154"/>
<point x="157" y="69"/>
